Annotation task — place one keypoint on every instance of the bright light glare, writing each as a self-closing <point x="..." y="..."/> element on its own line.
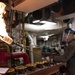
<point x="36" y="21"/>
<point x="47" y="22"/>
<point x="2" y="7"/>
<point x="3" y="33"/>
<point x="44" y="22"/>
<point x="46" y="37"/>
<point x="2" y="27"/>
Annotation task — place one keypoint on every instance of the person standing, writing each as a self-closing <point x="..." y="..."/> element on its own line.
<point x="69" y="53"/>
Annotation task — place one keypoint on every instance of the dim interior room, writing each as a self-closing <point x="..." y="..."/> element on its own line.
<point x="31" y="33"/>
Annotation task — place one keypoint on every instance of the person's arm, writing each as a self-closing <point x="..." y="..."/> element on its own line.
<point x="67" y="55"/>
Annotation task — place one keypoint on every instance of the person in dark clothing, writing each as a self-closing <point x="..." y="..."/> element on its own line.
<point x="69" y="54"/>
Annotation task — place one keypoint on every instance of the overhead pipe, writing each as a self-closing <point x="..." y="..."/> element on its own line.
<point x="44" y="27"/>
<point x="31" y="38"/>
<point x="31" y="46"/>
<point x="49" y="26"/>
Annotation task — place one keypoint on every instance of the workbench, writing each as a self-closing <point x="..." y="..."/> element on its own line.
<point x="47" y="71"/>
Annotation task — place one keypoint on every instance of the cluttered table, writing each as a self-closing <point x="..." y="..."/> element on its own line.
<point x="48" y="70"/>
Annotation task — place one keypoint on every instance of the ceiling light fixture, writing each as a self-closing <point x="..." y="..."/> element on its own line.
<point x="43" y="21"/>
<point x="47" y="22"/>
<point x="36" y="21"/>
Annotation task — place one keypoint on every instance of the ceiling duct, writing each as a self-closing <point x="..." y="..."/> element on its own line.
<point x="37" y="14"/>
<point x="43" y="13"/>
<point x="57" y="7"/>
<point x="64" y="7"/>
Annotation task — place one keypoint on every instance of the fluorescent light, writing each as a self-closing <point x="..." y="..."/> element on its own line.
<point x="36" y="21"/>
<point x="47" y="22"/>
<point x="43" y="21"/>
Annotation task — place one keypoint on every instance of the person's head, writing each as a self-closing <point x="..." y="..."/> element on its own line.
<point x="69" y="34"/>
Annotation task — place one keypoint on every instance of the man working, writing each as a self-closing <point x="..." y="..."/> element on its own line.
<point x="69" y="54"/>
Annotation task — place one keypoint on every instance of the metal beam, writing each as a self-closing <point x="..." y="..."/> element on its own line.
<point x="66" y="16"/>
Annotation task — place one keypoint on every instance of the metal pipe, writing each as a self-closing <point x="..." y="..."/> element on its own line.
<point x="5" y="56"/>
<point x="23" y="31"/>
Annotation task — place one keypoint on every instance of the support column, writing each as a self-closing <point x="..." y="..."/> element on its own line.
<point x="23" y="32"/>
<point x="31" y="54"/>
<point x="34" y="40"/>
<point x="31" y="47"/>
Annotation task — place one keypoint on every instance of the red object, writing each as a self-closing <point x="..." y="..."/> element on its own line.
<point x="17" y="55"/>
<point x="60" y="11"/>
<point x="5" y="56"/>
